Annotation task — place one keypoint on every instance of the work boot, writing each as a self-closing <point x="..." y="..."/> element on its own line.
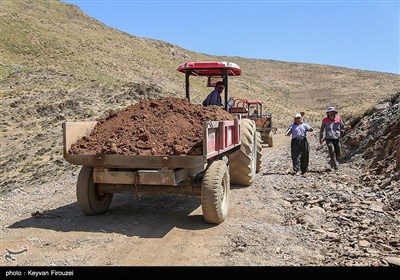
<point x="333" y="163"/>
<point x="295" y="172"/>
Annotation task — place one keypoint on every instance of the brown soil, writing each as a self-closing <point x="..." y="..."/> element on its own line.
<point x="261" y="122"/>
<point x="165" y="126"/>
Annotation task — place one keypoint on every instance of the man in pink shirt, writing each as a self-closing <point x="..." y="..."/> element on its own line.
<point x="330" y="132"/>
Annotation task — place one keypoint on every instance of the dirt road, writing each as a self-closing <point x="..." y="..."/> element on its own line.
<point x="280" y="220"/>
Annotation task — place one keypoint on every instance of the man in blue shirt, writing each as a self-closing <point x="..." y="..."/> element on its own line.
<point x="299" y="144"/>
<point x="214" y="98"/>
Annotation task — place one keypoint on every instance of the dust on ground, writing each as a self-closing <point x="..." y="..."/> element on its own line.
<point x="323" y="218"/>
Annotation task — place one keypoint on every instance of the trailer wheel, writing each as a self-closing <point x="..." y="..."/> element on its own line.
<point x="259" y="152"/>
<point x="89" y="200"/>
<point x="270" y="139"/>
<point x="215" y="193"/>
<point x="242" y="163"/>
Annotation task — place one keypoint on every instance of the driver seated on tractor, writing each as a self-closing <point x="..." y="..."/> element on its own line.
<point x="214" y="98"/>
<point x="255" y="114"/>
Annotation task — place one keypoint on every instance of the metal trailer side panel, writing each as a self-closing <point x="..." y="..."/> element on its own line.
<point x="218" y="137"/>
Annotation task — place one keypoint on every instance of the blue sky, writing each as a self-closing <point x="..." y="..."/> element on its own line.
<point x="357" y="34"/>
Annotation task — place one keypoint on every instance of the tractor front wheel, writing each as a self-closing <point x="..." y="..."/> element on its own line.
<point x="259" y="152"/>
<point x="270" y="139"/>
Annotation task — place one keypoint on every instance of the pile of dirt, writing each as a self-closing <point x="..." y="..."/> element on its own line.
<point x="165" y="126"/>
<point x="261" y="122"/>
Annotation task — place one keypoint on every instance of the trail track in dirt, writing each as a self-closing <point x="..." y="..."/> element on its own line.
<point x="281" y="220"/>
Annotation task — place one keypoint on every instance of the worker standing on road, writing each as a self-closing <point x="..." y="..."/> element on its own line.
<point x="299" y="144"/>
<point x="214" y="98"/>
<point x="330" y="132"/>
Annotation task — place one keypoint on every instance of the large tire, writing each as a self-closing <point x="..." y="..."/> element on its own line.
<point x="270" y="139"/>
<point x="251" y="123"/>
<point x="259" y="152"/>
<point x="215" y="193"/>
<point x="242" y="163"/>
<point x="89" y="200"/>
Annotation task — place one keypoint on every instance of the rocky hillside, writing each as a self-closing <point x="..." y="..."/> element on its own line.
<point x="57" y="64"/>
<point x="373" y="143"/>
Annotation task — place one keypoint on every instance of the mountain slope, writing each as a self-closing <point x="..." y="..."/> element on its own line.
<point x="58" y="64"/>
<point x="61" y="39"/>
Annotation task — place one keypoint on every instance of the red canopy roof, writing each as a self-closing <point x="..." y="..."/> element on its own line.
<point x="210" y="68"/>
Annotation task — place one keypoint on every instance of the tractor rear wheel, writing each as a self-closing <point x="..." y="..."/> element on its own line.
<point x="242" y="163"/>
<point x="90" y="201"/>
<point x="215" y="192"/>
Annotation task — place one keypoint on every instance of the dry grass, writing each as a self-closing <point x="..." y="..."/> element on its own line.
<point x="58" y="64"/>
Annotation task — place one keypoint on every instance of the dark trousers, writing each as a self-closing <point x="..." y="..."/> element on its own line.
<point x="334" y="151"/>
<point x="300" y="153"/>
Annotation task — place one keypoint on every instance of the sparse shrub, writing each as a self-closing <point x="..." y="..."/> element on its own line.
<point x="369" y="111"/>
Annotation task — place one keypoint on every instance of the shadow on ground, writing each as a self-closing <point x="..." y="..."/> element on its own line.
<point x="145" y="217"/>
<point x="314" y="171"/>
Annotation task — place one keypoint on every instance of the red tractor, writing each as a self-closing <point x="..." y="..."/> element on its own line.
<point x="253" y="109"/>
<point x="244" y="163"/>
<point x="214" y="71"/>
<point x="231" y="153"/>
<point x="251" y="140"/>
